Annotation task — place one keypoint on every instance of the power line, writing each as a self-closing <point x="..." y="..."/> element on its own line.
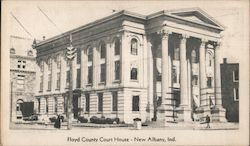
<point x="49" y="19"/>
<point x="21" y="24"/>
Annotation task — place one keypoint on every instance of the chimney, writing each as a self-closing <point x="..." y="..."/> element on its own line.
<point x="224" y="60"/>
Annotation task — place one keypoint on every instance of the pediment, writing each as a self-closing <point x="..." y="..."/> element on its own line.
<point x="196" y="15"/>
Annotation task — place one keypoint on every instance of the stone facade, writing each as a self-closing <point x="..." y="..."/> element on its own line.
<point x="163" y="66"/>
<point x="22" y="75"/>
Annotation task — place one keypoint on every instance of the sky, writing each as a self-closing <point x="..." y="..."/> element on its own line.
<point x="67" y="15"/>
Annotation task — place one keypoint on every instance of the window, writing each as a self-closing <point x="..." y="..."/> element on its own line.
<point x="55" y="104"/>
<point x="41" y="83"/>
<point x="87" y="102"/>
<point x="236" y="75"/>
<point x="20" y="82"/>
<point x="21" y="64"/>
<point x="65" y="107"/>
<point x="12" y="51"/>
<point x="117" y="70"/>
<point x="133" y="74"/>
<point x="158" y="76"/>
<point x="195" y="80"/>
<point x="114" y="101"/>
<point x="78" y="78"/>
<point x="209" y="82"/>
<point x="90" y="75"/>
<point x="90" y="54"/>
<point x="159" y="101"/>
<point x="58" y="62"/>
<point x="134" y="47"/>
<point x="58" y="80"/>
<point x="103" y="51"/>
<point x="236" y="94"/>
<point x="78" y="56"/>
<point x="135" y="103"/>
<point x="174" y="74"/>
<point x="117" y="46"/>
<point x="39" y="105"/>
<point x="210" y="60"/>
<point x="194" y="57"/>
<point x="41" y="67"/>
<point x="50" y="64"/>
<point x="177" y="54"/>
<point x="49" y="82"/>
<point x="19" y="103"/>
<point x="67" y="79"/>
<point x="103" y="73"/>
<point x="100" y="102"/>
<point x="47" y="105"/>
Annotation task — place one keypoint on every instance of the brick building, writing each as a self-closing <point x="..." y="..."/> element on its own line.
<point x="22" y="77"/>
<point x="128" y="65"/>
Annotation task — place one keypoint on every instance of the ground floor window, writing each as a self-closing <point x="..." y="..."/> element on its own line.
<point x="65" y="104"/>
<point x="209" y="82"/>
<point x="55" y="104"/>
<point x="87" y="102"/>
<point x="47" y="105"/>
<point x="100" y="102"/>
<point x="135" y="103"/>
<point x="19" y="105"/>
<point x="39" y="104"/>
<point x="114" y="101"/>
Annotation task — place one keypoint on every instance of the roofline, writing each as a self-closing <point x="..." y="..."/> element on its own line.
<point x="96" y="22"/>
<point x="136" y="15"/>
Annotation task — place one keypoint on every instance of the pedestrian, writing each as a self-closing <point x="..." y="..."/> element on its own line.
<point x="208" y="121"/>
<point x="59" y="121"/>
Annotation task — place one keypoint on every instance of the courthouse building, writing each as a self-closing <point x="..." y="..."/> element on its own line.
<point x="22" y="77"/>
<point x="164" y="66"/>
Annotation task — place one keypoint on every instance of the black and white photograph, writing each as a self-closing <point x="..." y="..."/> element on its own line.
<point x="125" y="72"/>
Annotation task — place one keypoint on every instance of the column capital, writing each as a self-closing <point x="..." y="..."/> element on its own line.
<point x="164" y="32"/>
<point x="203" y="41"/>
<point x="184" y="38"/>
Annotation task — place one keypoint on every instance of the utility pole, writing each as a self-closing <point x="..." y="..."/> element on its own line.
<point x="70" y="56"/>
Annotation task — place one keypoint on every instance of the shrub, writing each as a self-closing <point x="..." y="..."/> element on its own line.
<point x="82" y="120"/>
<point x="93" y="119"/>
<point x="117" y="120"/>
<point x="52" y="119"/>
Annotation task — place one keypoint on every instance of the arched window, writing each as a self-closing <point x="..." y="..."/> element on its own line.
<point x="177" y="54"/>
<point x="12" y="51"/>
<point x="19" y="103"/>
<point x="117" y="46"/>
<point x="193" y="56"/>
<point x="30" y="53"/>
<point x="133" y="74"/>
<point x="103" y="50"/>
<point x="90" y="54"/>
<point x="134" y="46"/>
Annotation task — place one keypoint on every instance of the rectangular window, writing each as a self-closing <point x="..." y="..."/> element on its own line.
<point x="87" y="102"/>
<point x="114" y="101"/>
<point x="136" y="103"/>
<point x="19" y="62"/>
<point x="78" y="56"/>
<point x="236" y="94"/>
<point x="58" y="80"/>
<point x="133" y="74"/>
<point x="195" y="80"/>
<point x="209" y="82"/>
<point x="90" y="75"/>
<point x="117" y="70"/>
<point x="41" y="83"/>
<point x="49" y="82"/>
<point x="236" y="75"/>
<point x="78" y="78"/>
<point x="67" y="78"/>
<point x="90" y="54"/>
<point x="174" y="75"/>
<point x="20" y="82"/>
<point x="159" y="101"/>
<point x="39" y="105"/>
<point x="41" y="67"/>
<point x="158" y="76"/>
<point x="58" y="62"/>
<point x="24" y="64"/>
<point x="103" y="51"/>
<point x="100" y="102"/>
<point x="103" y="73"/>
<point x="65" y="107"/>
<point x="47" y="105"/>
<point x="55" y="104"/>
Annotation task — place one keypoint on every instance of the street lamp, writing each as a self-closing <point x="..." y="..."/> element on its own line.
<point x="70" y="54"/>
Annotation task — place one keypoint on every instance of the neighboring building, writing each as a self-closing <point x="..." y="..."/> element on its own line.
<point x="22" y="77"/>
<point x="126" y="61"/>
<point x="230" y="89"/>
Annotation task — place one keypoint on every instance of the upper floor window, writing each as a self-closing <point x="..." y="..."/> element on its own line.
<point x="78" y="78"/>
<point x="78" y="56"/>
<point x="50" y="64"/>
<point x="117" y="70"/>
<point x="103" y="50"/>
<point x="194" y="57"/>
<point x="20" y="81"/>
<point x="177" y="54"/>
<point x="58" y="61"/>
<point x="90" y="54"/>
<point x="41" y="67"/>
<point x="117" y="46"/>
<point x="236" y="94"/>
<point x="41" y="83"/>
<point x="210" y="60"/>
<point x="194" y="80"/>
<point x="67" y="79"/>
<point x="21" y="64"/>
<point x="134" y="46"/>
<point x="58" y="80"/>
<point x="90" y="75"/>
<point x="236" y="75"/>
<point x="209" y="82"/>
<point x="12" y="51"/>
<point x="103" y="73"/>
<point x="133" y="74"/>
<point x="49" y="82"/>
<point x="174" y="74"/>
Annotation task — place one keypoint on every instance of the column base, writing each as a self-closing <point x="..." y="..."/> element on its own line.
<point x="184" y="114"/>
<point x="218" y="114"/>
<point x="165" y="114"/>
<point x="202" y="112"/>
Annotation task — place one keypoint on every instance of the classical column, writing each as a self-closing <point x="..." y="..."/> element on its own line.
<point x="109" y="55"/>
<point x="83" y="68"/>
<point x="218" y="100"/>
<point x="202" y="75"/>
<point x="167" y="105"/>
<point x="53" y="74"/>
<point x="74" y="72"/>
<point x="184" y="104"/>
<point x="63" y="73"/>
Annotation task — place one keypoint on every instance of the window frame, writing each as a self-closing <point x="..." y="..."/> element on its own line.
<point x="100" y="102"/>
<point x="236" y="94"/>
<point x="135" y="107"/>
<point x="134" y="45"/>
<point x="133" y="76"/>
<point x="234" y="79"/>
<point x="117" y="47"/>
<point x="114" y="101"/>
